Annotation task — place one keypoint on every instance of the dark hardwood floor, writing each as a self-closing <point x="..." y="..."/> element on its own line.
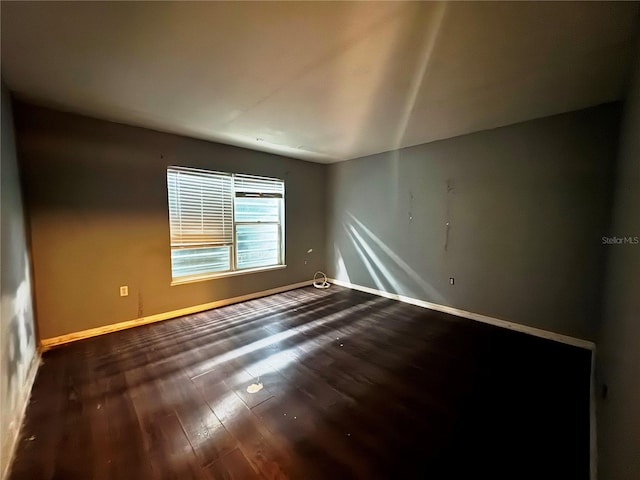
<point x="355" y="386"/>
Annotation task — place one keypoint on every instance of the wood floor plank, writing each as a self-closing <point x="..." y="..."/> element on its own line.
<point x="255" y="441"/>
<point x="233" y="466"/>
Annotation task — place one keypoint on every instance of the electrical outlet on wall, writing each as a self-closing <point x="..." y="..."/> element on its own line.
<point x="124" y="291"/>
<point x="451" y="281"/>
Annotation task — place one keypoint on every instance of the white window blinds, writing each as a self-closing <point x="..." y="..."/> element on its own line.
<point x="200" y="207"/>
<point x="249" y="185"/>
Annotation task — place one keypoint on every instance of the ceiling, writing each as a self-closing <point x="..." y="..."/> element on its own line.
<point x="320" y="81"/>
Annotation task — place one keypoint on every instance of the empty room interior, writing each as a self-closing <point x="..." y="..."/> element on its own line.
<point x="320" y="240"/>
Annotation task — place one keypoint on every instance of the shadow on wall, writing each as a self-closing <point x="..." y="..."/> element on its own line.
<point x="386" y="269"/>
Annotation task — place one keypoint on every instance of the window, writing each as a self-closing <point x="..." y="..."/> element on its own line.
<point x="223" y="223"/>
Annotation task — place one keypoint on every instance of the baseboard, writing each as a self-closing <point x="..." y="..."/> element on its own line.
<point x="49" y="343"/>
<point x="13" y="433"/>
<point x="538" y="332"/>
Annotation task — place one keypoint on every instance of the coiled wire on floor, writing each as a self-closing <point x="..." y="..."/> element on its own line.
<point x="320" y="282"/>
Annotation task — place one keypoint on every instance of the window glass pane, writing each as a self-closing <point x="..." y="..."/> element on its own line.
<point x="199" y="261"/>
<point x="258" y="245"/>
<point x="251" y="209"/>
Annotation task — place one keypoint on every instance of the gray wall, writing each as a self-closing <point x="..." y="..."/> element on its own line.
<point x="17" y="333"/>
<point x="619" y="342"/>
<point x="526" y="207"/>
<point x="97" y="201"/>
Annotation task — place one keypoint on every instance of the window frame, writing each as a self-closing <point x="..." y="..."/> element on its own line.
<point x="233" y="247"/>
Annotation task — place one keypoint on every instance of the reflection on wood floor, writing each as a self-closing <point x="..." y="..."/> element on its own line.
<point x="355" y="386"/>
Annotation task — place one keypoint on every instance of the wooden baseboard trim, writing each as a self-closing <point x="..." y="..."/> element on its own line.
<point x="538" y="332"/>
<point x="49" y="343"/>
<point x="13" y="433"/>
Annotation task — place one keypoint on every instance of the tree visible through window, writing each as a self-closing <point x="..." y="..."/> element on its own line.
<point x="222" y="222"/>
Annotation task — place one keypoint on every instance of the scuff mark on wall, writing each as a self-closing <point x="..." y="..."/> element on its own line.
<point x="140" y="304"/>
<point x="451" y="190"/>
<point x="446" y="236"/>
<point x="410" y="206"/>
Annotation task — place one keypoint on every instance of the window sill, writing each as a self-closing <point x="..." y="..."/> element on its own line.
<point x="215" y="276"/>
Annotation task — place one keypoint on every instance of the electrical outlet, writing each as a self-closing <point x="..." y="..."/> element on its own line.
<point x="451" y="281"/>
<point x="124" y="291"/>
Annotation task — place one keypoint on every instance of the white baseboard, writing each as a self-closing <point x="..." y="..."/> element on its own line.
<point x="48" y="343"/>
<point x="518" y="327"/>
<point x="13" y="433"/>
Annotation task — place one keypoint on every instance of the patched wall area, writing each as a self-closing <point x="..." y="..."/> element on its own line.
<point x="17" y="332"/>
